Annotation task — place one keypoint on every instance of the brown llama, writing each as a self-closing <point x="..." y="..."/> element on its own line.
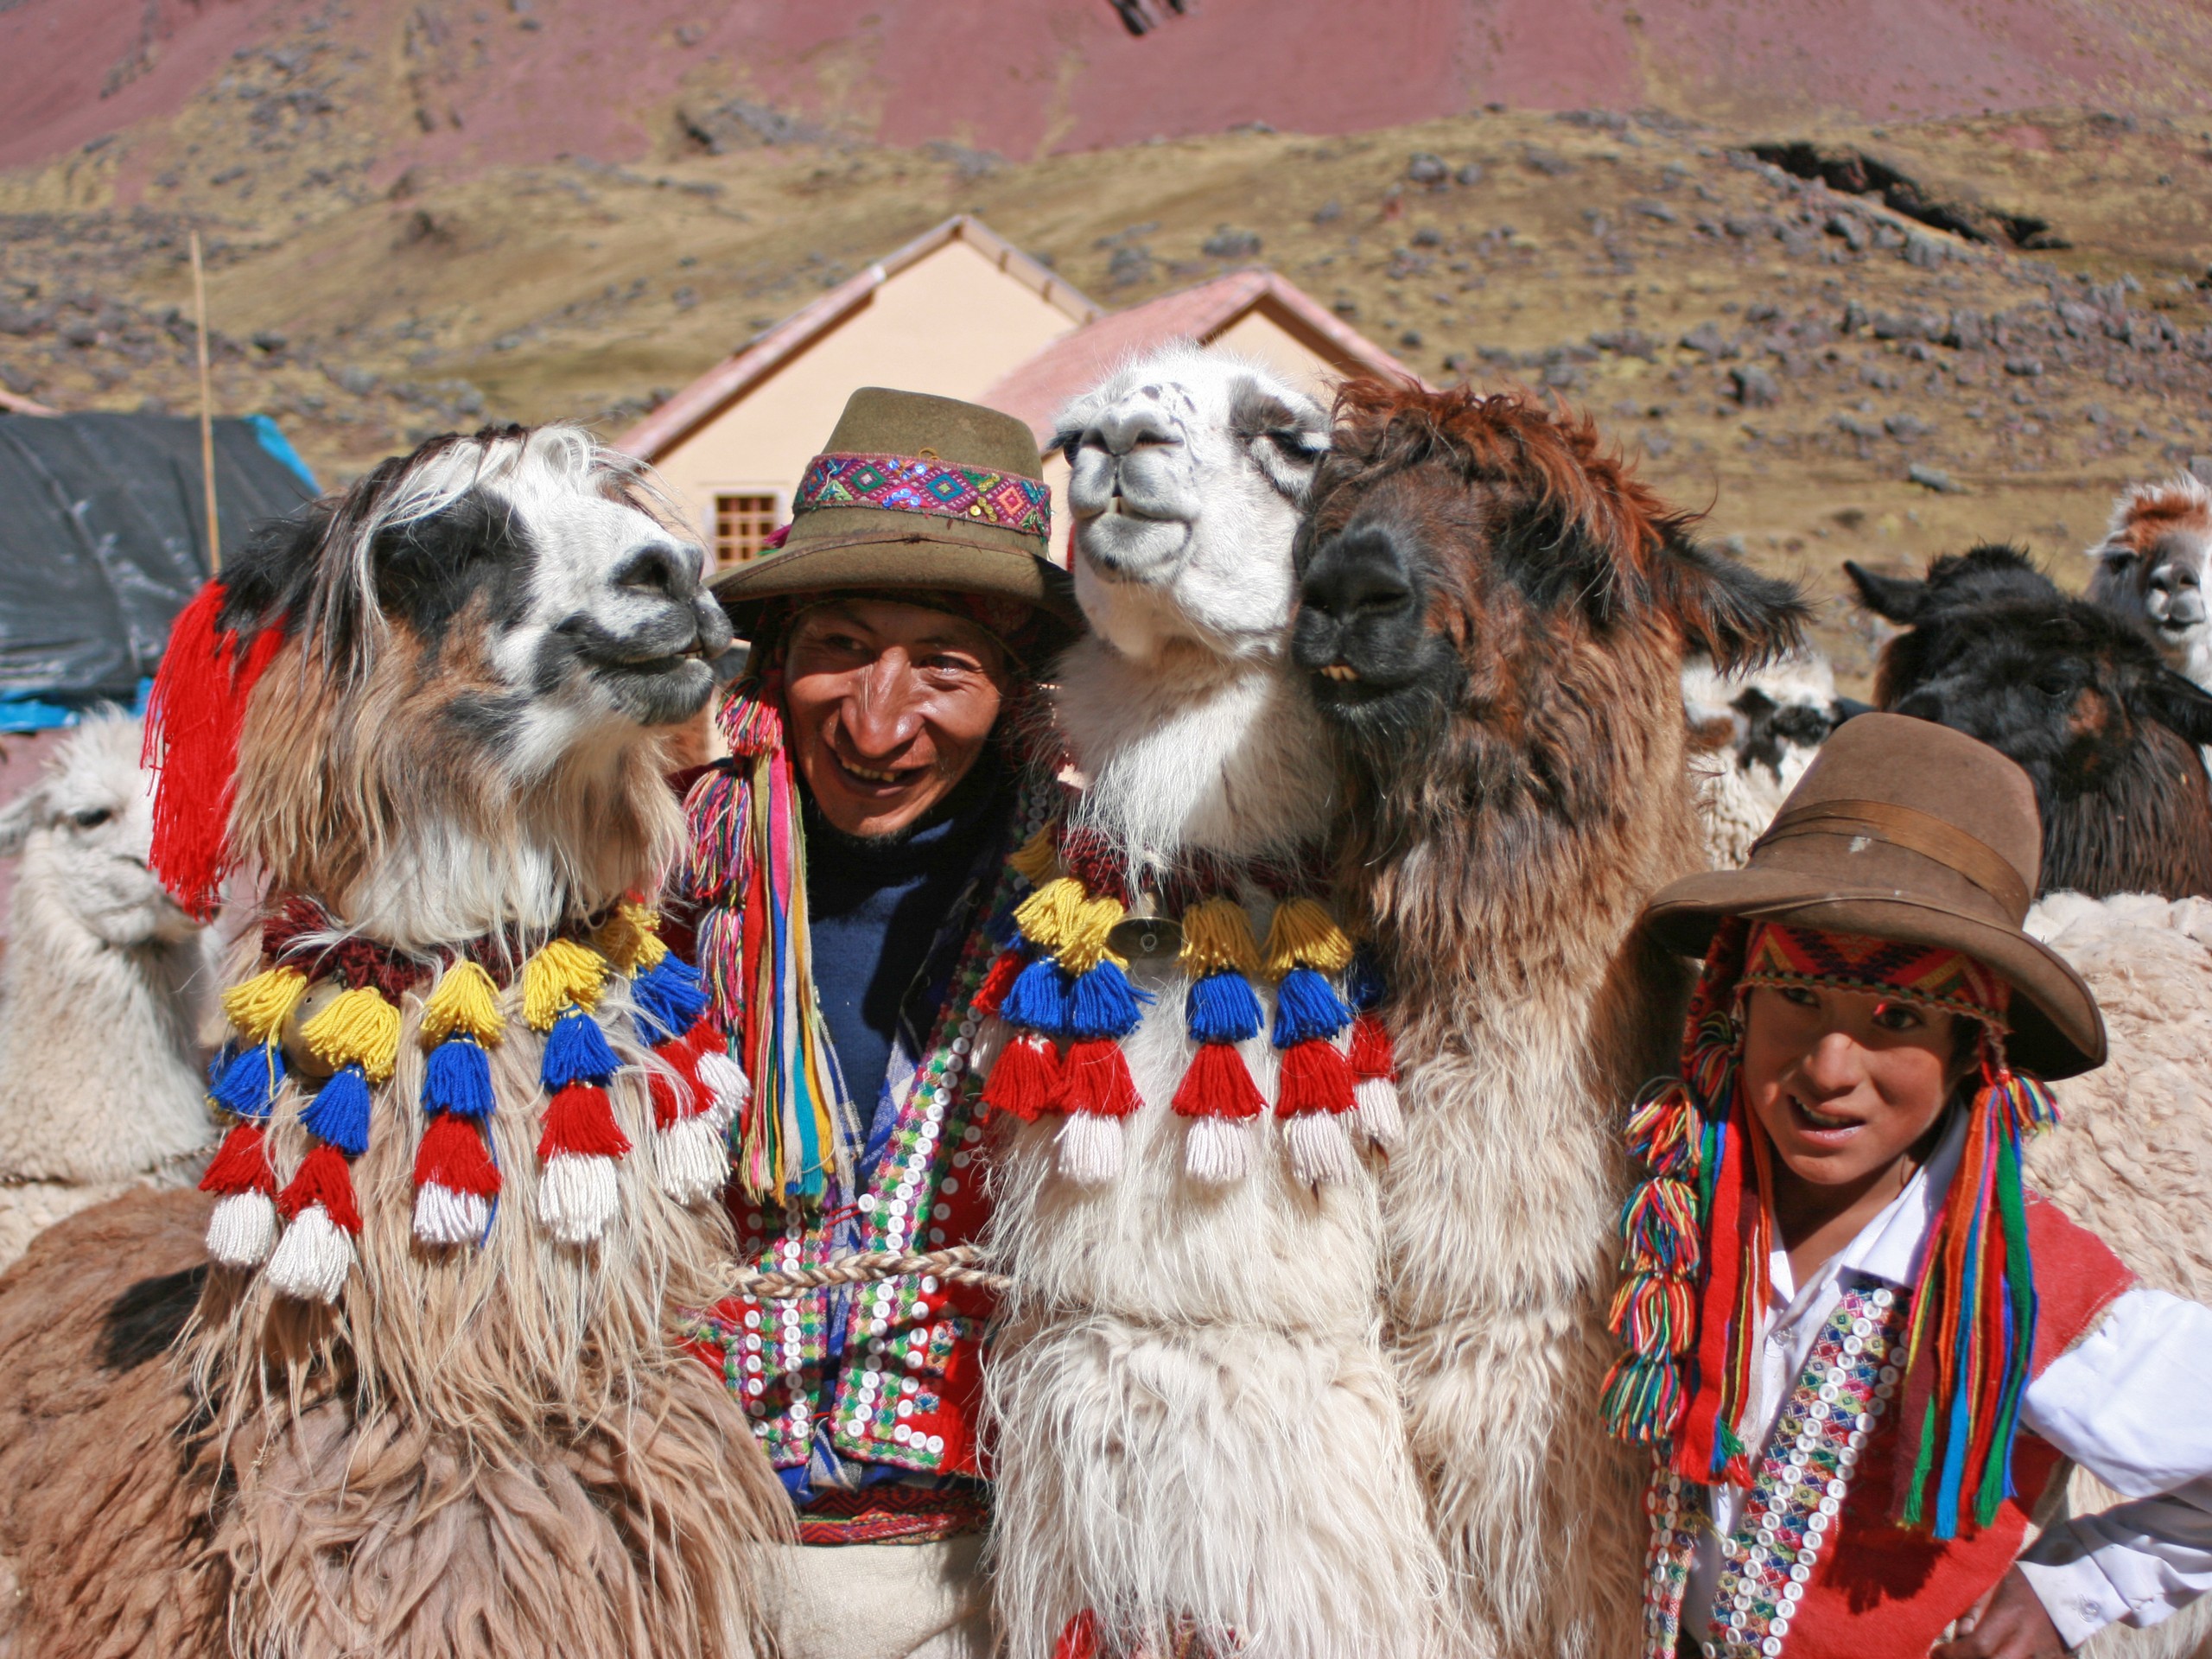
<point x="439" y="1411"/>
<point x="1494" y="613"/>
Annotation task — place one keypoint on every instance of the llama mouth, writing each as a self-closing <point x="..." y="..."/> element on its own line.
<point x="1341" y="671"/>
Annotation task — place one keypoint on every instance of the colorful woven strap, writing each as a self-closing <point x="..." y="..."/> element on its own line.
<point x="1933" y="977"/>
<point x="918" y="484"/>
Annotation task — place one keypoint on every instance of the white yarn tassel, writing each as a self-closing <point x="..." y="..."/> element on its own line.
<point x="1090" y="1148"/>
<point x="445" y="1217"/>
<point x="577" y="1196"/>
<point x="1320" y="1151"/>
<point x="1219" y="1150"/>
<point x="1374" y="1104"/>
<point x="313" y="1258"/>
<point x="691" y="1157"/>
<point x="243" y="1230"/>
<point x="727" y="1089"/>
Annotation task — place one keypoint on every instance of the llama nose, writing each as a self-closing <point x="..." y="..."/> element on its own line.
<point x="668" y="569"/>
<point x="1124" y="431"/>
<point x="1359" y="574"/>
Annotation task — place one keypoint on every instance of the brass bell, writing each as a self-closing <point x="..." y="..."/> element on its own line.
<point x="300" y="1060"/>
<point x="1144" y="935"/>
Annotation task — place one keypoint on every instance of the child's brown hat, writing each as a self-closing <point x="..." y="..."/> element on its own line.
<point x="1904" y="829"/>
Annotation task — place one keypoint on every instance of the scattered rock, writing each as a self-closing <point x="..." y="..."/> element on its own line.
<point x="1651" y="209"/>
<point x="1328" y="213"/>
<point x="357" y="381"/>
<point x="1227" y="244"/>
<point x="1924" y="251"/>
<point x="1933" y="478"/>
<point x="1906" y="429"/>
<point x="1470" y="173"/>
<point x="1754" y="387"/>
<point x="1129" y="265"/>
<point x="743" y="124"/>
<point x="2026" y="368"/>
<point x="1707" y="338"/>
<point x="1410" y="339"/>
<point x="1550" y="163"/>
<point x="1425" y="168"/>
<point x="1428" y="237"/>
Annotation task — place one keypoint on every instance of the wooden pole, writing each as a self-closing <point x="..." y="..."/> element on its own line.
<point x="206" y="411"/>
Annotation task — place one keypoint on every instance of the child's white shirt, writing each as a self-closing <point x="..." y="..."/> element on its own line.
<point x="2132" y="1402"/>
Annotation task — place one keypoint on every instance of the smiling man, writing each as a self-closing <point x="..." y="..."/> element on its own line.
<point x="851" y="860"/>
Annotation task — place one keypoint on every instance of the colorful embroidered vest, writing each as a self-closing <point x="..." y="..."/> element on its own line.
<point x="1815" y="1567"/>
<point x="897" y="1382"/>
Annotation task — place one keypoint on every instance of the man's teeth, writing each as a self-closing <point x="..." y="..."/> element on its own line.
<point x="1341" y="671"/>
<point x="873" y="776"/>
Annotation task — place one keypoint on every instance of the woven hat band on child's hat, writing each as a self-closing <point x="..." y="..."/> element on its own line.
<point x="1907" y="830"/>
<point x="915" y="492"/>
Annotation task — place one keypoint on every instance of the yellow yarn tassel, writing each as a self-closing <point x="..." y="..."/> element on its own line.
<point x="563" y="972"/>
<point x="465" y="999"/>
<point x="1088" y="923"/>
<point x="1217" y="934"/>
<point x="259" y="1006"/>
<point x="1047" y="915"/>
<point x="1037" y="858"/>
<point x="1305" y="935"/>
<point x="357" y="1027"/>
<point x="629" y="938"/>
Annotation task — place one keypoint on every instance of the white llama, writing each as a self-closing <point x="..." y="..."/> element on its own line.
<point x="2155" y="565"/>
<point x="1197" y="1435"/>
<point x="1752" y="734"/>
<point x="99" y="996"/>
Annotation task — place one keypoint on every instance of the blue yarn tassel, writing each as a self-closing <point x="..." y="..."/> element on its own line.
<point x="1221" y="1008"/>
<point x="1103" y="1003"/>
<point x="1038" y="1000"/>
<point x="669" y="999"/>
<point x="457" y="1078"/>
<point x="1307" y="1008"/>
<point x="576" y="1052"/>
<point x="1365" y="986"/>
<point x="248" y="1084"/>
<point x="340" y="1112"/>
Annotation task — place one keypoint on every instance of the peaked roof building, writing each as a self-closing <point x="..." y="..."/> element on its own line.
<point x="962" y="313"/>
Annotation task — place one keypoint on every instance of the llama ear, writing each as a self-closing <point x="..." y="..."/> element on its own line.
<point x="1896" y="598"/>
<point x="1063" y="442"/>
<point x="19" y="818"/>
<point x="1738" y="617"/>
<point x="2176" y="701"/>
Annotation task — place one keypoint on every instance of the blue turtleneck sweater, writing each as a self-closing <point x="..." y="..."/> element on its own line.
<point x="873" y="909"/>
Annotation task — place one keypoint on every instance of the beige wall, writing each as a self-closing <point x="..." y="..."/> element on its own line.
<point x="1259" y="336"/>
<point x="951" y="324"/>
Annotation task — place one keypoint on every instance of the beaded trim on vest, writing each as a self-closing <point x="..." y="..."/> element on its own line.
<point x="1792" y="1511"/>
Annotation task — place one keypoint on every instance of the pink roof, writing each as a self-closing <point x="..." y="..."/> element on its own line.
<point x="731" y="378"/>
<point x="1038" y="390"/>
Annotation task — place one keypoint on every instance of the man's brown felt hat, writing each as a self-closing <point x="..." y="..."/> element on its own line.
<point x="832" y="548"/>
<point x="1904" y="829"/>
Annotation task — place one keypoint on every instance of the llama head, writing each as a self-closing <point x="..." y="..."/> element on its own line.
<point x="83" y="830"/>
<point x="1771" y="719"/>
<point x="1187" y="469"/>
<point x="2077" y="696"/>
<point x="2155" y="565"/>
<point x="479" y="638"/>
<point x="1484" y="594"/>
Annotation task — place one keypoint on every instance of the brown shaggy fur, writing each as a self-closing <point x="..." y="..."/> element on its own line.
<point x="1515" y="803"/>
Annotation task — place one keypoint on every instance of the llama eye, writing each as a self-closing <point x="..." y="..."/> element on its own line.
<point x="92" y="817"/>
<point x="2055" y="685"/>
<point x="1296" y="445"/>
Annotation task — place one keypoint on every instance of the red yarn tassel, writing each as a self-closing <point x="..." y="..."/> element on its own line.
<point x="996" y="983"/>
<point x="1026" y="1079"/>
<point x="240" y="1164"/>
<point x="1097" y="1080"/>
<point x="1372" y="1054"/>
<point x="681" y="1097"/>
<point x="323" y="1178"/>
<point x="580" y="1120"/>
<point x="1218" y="1084"/>
<point x="1315" y="1078"/>
<point x="451" y="1155"/>
<point x="193" y="719"/>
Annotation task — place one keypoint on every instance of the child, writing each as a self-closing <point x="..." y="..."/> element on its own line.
<point x="1861" y="1349"/>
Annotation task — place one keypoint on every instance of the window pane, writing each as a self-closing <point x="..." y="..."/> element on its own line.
<point x="742" y="526"/>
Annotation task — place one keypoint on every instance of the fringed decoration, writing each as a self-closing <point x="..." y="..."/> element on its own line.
<point x="1320" y="1152"/>
<point x="1005" y="969"/>
<point x="1973" y="1314"/>
<point x="1314" y="1078"/>
<point x="464" y="1001"/>
<point x="1307" y="1009"/>
<point x="1038" y="1000"/>
<point x="1037" y="858"/>
<point x="1102" y="1003"/>
<point x="1095" y="1078"/>
<point x="559" y="973"/>
<point x="456" y="1182"/>
<point x="1374" y="1063"/>
<point x="629" y="938"/>
<point x="1218" y="938"/>
<point x="1026" y="1081"/>
<point x="1047" y="916"/>
<point x="258" y="1008"/>
<point x="457" y="1078"/>
<point x="312" y="1260"/>
<point x="577" y="1192"/>
<point x="667" y="1000"/>
<point x="1091" y="1149"/>
<point x="193" y="716"/>
<point x="577" y="1050"/>
<point x="691" y="1150"/>
<point x="243" y="1229"/>
<point x="247" y="1081"/>
<point x="1304" y="934"/>
<point x="1218" y="1084"/>
<point x="357" y="1028"/>
<point x="340" y="1111"/>
<point x="1221" y="1008"/>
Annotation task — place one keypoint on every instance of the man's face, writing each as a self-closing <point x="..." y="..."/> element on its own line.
<point x="889" y="706"/>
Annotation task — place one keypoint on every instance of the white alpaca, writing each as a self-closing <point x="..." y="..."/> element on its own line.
<point x="1763" y="727"/>
<point x="2155" y="565"/>
<point x="2131" y="1158"/>
<point x="99" y="996"/>
<point x="1197" y="1430"/>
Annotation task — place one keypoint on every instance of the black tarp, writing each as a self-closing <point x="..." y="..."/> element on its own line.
<point x="103" y="538"/>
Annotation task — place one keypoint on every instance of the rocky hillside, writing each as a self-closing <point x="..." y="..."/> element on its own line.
<point x="1842" y="339"/>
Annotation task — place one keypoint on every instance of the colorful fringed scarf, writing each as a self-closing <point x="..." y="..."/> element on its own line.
<point x="747" y="869"/>
<point x="1062" y="988"/>
<point x="1698" y="1232"/>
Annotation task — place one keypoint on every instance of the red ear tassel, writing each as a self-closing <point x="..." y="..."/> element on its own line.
<point x="193" y="720"/>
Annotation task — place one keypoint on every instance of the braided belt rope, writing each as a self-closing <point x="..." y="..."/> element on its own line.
<point x="951" y="1264"/>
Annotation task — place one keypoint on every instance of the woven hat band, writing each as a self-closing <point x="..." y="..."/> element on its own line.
<point x="927" y="485"/>
<point x="1914" y="832"/>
